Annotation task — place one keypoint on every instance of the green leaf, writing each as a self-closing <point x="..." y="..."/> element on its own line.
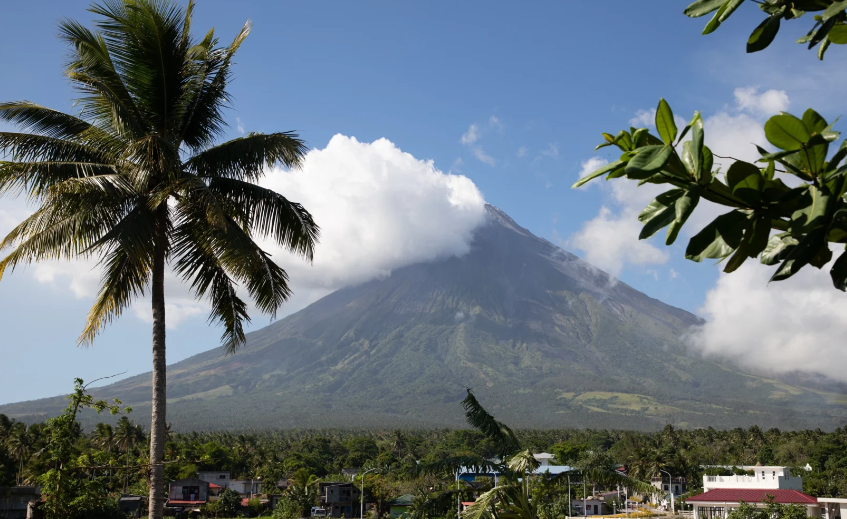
<point x="697" y="137"/>
<point x="706" y="169"/>
<point x="661" y="219"/>
<point x="730" y="8"/>
<point x="702" y="7"/>
<point x="838" y="272"/>
<point x="715" y="22"/>
<point x="759" y="235"/>
<point x="813" y="213"/>
<point x="814" y="121"/>
<point x="683" y="208"/>
<point x="777" y="155"/>
<point x="746" y="181"/>
<point x="688" y="126"/>
<point x="786" y="132"/>
<point x="659" y="204"/>
<point x="596" y="173"/>
<point x="649" y="160"/>
<point x="777" y="248"/>
<point x="799" y="256"/>
<point x="623" y="141"/>
<point x="770" y="170"/>
<point x="719" y="238"/>
<point x="665" y="123"/>
<point x="602" y="146"/>
<point x="764" y="34"/>
<point x="740" y="256"/>
<point x="838" y="34"/>
<point x="834" y="9"/>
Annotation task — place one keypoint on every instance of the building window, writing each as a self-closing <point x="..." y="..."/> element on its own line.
<point x="710" y="512"/>
<point x="222" y="476"/>
<point x="666" y="488"/>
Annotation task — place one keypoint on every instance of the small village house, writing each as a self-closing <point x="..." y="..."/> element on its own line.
<point x="15" y="501"/>
<point x="189" y="493"/>
<point x="220" y="478"/>
<point x="339" y="499"/>
<point x="400" y="506"/>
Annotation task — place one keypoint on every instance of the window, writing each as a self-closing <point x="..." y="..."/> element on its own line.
<point x="666" y="488"/>
<point x="763" y="474"/>
<point x="774" y="474"/>
<point x="710" y="512"/>
<point x="222" y="476"/>
<point x="191" y="493"/>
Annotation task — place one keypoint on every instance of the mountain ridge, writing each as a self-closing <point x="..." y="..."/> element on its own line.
<point x="544" y="336"/>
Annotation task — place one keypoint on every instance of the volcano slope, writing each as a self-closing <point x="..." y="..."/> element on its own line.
<point x="544" y="339"/>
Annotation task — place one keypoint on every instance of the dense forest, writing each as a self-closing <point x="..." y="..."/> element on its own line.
<point x="116" y="456"/>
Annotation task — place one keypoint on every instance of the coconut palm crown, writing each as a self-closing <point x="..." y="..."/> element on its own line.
<point x="135" y="180"/>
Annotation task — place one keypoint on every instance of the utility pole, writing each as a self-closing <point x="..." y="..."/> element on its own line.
<point x="670" y="486"/>
<point x="570" y="510"/>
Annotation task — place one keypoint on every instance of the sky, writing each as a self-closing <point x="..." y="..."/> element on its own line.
<point x="419" y="113"/>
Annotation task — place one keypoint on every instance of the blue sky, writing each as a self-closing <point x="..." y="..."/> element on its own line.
<point x="539" y="81"/>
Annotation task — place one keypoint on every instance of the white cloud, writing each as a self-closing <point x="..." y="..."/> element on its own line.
<point x="494" y="122"/>
<point x="177" y="310"/>
<point x="470" y="136"/>
<point x="552" y="151"/>
<point x="379" y="209"/>
<point x="482" y="156"/>
<point x="239" y="126"/>
<point x="589" y="166"/>
<point x="673" y="274"/>
<point x="644" y="118"/>
<point x="610" y="241"/>
<point x="767" y="103"/>
<point x="521" y="151"/>
<point x="784" y="326"/>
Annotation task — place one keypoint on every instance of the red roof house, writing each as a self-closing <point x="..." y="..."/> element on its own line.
<point x="753" y="496"/>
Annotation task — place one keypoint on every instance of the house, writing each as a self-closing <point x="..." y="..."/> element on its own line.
<point x="216" y="477"/>
<point x="350" y="473"/>
<point x="132" y="505"/>
<point x="246" y="486"/>
<point x="764" y="477"/>
<point x="677" y="486"/>
<point x="15" y="501"/>
<point x="589" y="506"/>
<point x="833" y="507"/>
<point x="720" y="502"/>
<point x="722" y="494"/>
<point x="188" y="493"/>
<point x="545" y="458"/>
<point x="339" y="499"/>
<point x="400" y="506"/>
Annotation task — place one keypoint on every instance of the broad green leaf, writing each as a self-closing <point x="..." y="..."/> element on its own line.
<point x="814" y="121"/>
<point x="702" y="7"/>
<point x="764" y="34"/>
<point x="821" y="257"/>
<point x="730" y="8"/>
<point x="618" y="173"/>
<point x="649" y="160"/>
<point x="786" y="132"/>
<point x="740" y="256"/>
<point x="697" y="137"/>
<point x="809" y="246"/>
<point x="659" y="204"/>
<point x="683" y="208"/>
<point x="608" y="137"/>
<point x="719" y="238"/>
<point x="706" y="169"/>
<point x="596" y="173"/>
<point x="746" y="182"/>
<point x="813" y="211"/>
<point x="688" y="126"/>
<point x="776" y="155"/>
<point x="770" y="170"/>
<point x="661" y="219"/>
<point x="715" y="22"/>
<point x="623" y="141"/>
<point x="838" y="272"/>
<point x="777" y="246"/>
<point x="687" y="159"/>
<point x="760" y="233"/>
<point x="665" y="123"/>
<point x="838" y="34"/>
<point x="834" y="9"/>
<point x="639" y="137"/>
<point x="599" y="146"/>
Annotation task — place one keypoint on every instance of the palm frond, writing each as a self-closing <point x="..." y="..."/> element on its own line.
<point x="245" y="158"/>
<point x="483" y="507"/>
<point x="31" y="117"/>
<point x="523" y="462"/>
<point x="36" y="178"/>
<point x="271" y="214"/>
<point x="451" y="464"/>
<point x="498" y="432"/>
<point x="26" y="147"/>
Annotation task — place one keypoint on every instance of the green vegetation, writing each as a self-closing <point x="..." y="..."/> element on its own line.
<point x="807" y="217"/>
<point x="135" y="180"/>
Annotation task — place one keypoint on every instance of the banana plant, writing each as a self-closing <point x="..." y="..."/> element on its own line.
<point x="786" y="224"/>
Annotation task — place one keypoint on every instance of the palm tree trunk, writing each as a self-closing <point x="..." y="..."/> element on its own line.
<point x="157" y="425"/>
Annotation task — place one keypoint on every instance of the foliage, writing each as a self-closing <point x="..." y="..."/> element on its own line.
<point x="770" y="510"/>
<point x="66" y="494"/>
<point x="830" y="25"/>
<point x="256" y="507"/>
<point x="287" y="508"/>
<point x="808" y="217"/>
<point x="229" y="503"/>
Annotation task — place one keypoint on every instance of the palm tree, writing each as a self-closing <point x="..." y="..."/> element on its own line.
<point x="135" y="180"/>
<point x="20" y="445"/>
<point x="127" y="435"/>
<point x="104" y="437"/>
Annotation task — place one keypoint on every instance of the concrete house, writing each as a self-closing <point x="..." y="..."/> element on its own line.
<point x="339" y="499"/>
<point x="189" y="492"/>
<point x="724" y="493"/>
<point x="15" y="501"/>
<point x="216" y="477"/>
<point x="400" y="506"/>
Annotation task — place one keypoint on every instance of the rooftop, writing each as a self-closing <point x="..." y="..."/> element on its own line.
<point x="752" y="495"/>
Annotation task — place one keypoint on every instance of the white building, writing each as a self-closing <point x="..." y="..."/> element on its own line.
<point x="725" y="493"/>
<point x="763" y="478"/>
<point x="545" y="458"/>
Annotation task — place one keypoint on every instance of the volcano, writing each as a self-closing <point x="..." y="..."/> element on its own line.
<point x="545" y="340"/>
